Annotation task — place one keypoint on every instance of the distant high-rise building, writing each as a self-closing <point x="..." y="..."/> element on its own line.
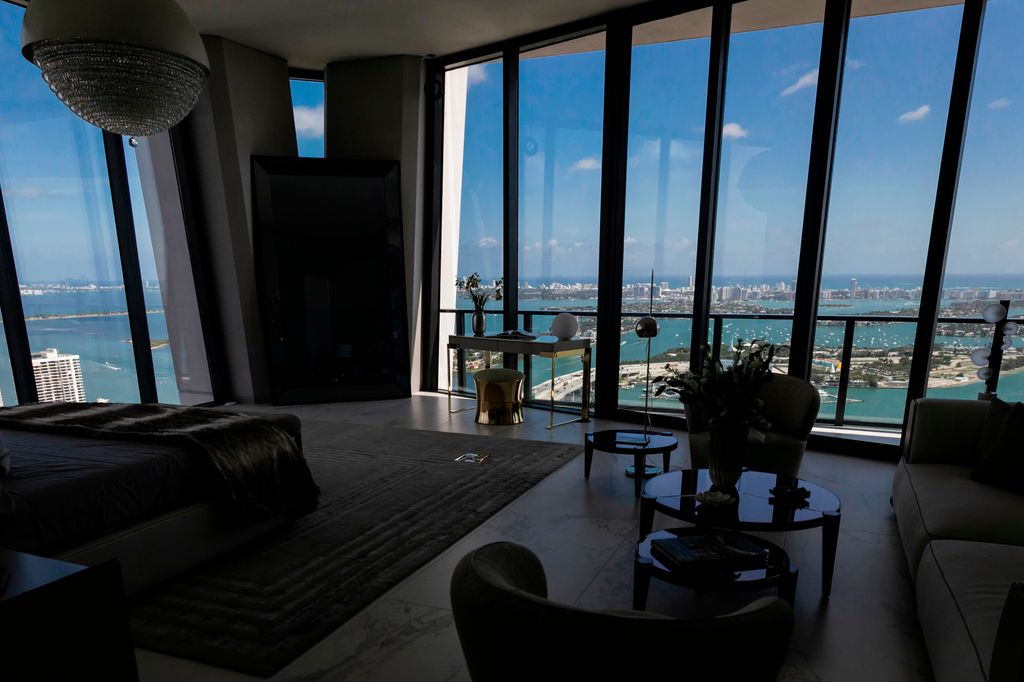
<point x="1" y="399"/>
<point x="691" y="280"/>
<point x="853" y="287"/>
<point x="58" y="376"/>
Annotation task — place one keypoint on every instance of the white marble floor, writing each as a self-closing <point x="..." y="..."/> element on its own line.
<point x="584" y="533"/>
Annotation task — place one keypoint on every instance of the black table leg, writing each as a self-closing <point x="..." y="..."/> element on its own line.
<point x="639" y="469"/>
<point x="666" y="461"/>
<point x="646" y="516"/>
<point x="829" y="543"/>
<point x="641" y="583"/>
<point x="588" y="458"/>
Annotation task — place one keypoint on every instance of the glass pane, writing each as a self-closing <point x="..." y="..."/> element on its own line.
<point x="561" y="108"/>
<point x="892" y="120"/>
<point x="769" y="112"/>
<point x="826" y="365"/>
<point x="7" y="394"/>
<point x="472" y="234"/>
<point x="668" y="93"/>
<point x="57" y="196"/>
<point x="308" y="108"/>
<point x="159" y="339"/>
<point x="985" y="262"/>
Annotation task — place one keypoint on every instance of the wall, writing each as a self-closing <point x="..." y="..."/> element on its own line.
<point x="245" y="110"/>
<point x="374" y="110"/>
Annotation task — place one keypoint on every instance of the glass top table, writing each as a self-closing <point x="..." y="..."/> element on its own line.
<point x="675" y="494"/>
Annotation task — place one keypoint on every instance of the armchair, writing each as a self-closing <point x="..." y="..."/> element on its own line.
<point x="509" y="630"/>
<point x="791" y="405"/>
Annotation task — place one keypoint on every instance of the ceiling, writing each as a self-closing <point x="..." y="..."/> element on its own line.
<point x="312" y="33"/>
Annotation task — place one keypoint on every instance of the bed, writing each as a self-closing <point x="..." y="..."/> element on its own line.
<point x="156" y="503"/>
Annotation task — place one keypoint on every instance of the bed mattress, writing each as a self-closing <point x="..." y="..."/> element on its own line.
<point x="68" y="490"/>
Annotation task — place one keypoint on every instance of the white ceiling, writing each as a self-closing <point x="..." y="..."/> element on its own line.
<point x="312" y="33"/>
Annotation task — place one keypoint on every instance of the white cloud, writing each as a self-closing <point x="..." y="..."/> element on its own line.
<point x="552" y="243"/>
<point x="808" y="80"/>
<point x="488" y="243"/>
<point x="1011" y="244"/>
<point x="587" y="163"/>
<point x="309" y="121"/>
<point x="476" y="75"/>
<point x="535" y="246"/>
<point x="853" y="64"/>
<point x="579" y="245"/>
<point x="629" y="241"/>
<point x="1000" y="103"/>
<point x="915" y="114"/>
<point x="734" y="131"/>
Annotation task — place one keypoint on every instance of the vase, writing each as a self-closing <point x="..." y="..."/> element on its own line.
<point x="727" y="443"/>
<point x="479" y="323"/>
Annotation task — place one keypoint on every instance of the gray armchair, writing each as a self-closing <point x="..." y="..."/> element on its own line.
<point x="791" y="405"/>
<point x="509" y="630"/>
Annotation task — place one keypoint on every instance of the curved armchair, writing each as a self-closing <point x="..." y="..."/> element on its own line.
<point x="509" y="630"/>
<point x="791" y="406"/>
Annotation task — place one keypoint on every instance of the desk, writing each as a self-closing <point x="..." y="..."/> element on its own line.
<point x="544" y="346"/>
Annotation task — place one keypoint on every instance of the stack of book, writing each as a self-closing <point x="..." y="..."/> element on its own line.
<point x="709" y="552"/>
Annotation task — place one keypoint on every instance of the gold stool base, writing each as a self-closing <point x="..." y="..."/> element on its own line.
<point x="499" y="396"/>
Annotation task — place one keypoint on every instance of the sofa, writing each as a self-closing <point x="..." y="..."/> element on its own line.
<point x="963" y="541"/>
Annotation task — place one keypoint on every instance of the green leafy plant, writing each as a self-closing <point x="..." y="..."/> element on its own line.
<point x="727" y="391"/>
<point x="479" y="292"/>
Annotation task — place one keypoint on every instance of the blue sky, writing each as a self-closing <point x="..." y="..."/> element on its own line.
<point x="892" y="119"/>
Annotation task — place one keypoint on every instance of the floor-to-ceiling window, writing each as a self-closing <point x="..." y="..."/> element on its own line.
<point x="896" y="88"/>
<point x="308" y="109"/>
<point x="877" y="177"/>
<point x="472" y="237"/>
<point x="7" y="390"/>
<point x="985" y="261"/>
<point x="58" y="196"/>
<point x="766" y="138"/>
<point x="668" y="93"/>
<point x="561" y="106"/>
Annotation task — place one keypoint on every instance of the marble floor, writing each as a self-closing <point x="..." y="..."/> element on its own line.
<point x="584" y="533"/>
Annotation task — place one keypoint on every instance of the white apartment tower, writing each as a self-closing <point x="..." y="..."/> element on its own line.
<point x="58" y="376"/>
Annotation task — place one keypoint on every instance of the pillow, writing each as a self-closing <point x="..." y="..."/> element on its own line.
<point x="991" y="428"/>
<point x="1002" y="463"/>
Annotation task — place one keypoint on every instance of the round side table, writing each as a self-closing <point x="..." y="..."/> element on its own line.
<point x="630" y="442"/>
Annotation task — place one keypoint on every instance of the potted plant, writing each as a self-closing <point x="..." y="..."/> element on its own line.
<point x="725" y="396"/>
<point x="480" y="294"/>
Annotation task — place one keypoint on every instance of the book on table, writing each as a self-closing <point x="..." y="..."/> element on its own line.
<point x="709" y="552"/>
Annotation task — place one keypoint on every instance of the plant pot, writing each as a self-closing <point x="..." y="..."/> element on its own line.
<point x="727" y="444"/>
<point x="479" y="323"/>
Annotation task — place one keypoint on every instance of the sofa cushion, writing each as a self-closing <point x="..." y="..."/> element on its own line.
<point x="1001" y="458"/>
<point x="961" y="590"/>
<point x="942" y="501"/>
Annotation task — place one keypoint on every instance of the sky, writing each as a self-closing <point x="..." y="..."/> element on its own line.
<point x="892" y="118"/>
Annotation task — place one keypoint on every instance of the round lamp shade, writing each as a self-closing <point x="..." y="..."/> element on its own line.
<point x="1010" y="328"/>
<point x="979" y="356"/>
<point x="127" y="67"/>
<point x="985" y="373"/>
<point x="993" y="313"/>
<point x="1007" y="343"/>
<point x="646" y="328"/>
<point x="564" y="326"/>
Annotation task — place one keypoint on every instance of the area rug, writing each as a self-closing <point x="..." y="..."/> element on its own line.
<point x="392" y="499"/>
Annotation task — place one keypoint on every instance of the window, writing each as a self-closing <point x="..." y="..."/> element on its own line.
<point x="892" y="118"/>
<point x="59" y="206"/>
<point x="668" y="96"/>
<point x="561" y="110"/>
<point x="308" y="108"/>
<point x="472" y="234"/>
<point x="766" y="138"/>
<point x="985" y="262"/>
<point x="7" y="393"/>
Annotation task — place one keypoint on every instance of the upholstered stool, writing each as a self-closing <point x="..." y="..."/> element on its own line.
<point x="499" y="396"/>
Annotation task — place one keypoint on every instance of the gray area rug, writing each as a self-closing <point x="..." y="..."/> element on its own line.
<point x="392" y="499"/>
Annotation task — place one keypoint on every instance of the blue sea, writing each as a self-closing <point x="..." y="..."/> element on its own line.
<point x="102" y="341"/>
<point x="882" y="405"/>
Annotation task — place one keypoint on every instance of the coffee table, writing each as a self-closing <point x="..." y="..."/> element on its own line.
<point x="778" y="572"/>
<point x="615" y="441"/>
<point x="674" y="494"/>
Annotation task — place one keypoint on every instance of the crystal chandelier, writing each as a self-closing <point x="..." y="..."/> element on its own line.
<point x="129" y="67"/>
